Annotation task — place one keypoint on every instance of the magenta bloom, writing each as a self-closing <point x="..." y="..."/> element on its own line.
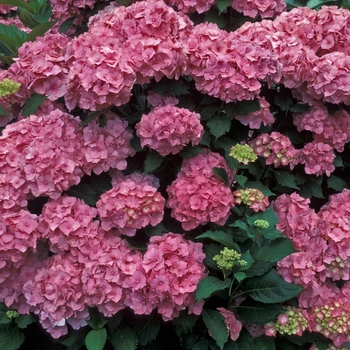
<point x="130" y="205"/>
<point x="168" y="129"/>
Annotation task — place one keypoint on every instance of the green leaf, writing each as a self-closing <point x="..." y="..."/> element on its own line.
<point x="240" y="276"/>
<point x="96" y="339"/>
<point x="148" y="331"/>
<point x="92" y="116"/>
<point x="2" y="111"/>
<point x="214" y="17"/>
<point x="124" y="338"/>
<point x="338" y="162"/>
<point x="210" y="251"/>
<point x="299" y="108"/>
<point x="209" y="285"/>
<point x="258" y="313"/>
<point x="157" y="230"/>
<point x="184" y="324"/>
<point x="316" y="3"/>
<point x="284" y="100"/>
<point x="28" y="19"/>
<point x="336" y="183"/>
<point x="33" y="104"/>
<point x="18" y="36"/>
<point x="216" y="325"/>
<point x="249" y="260"/>
<point x="223" y="4"/>
<point x="7" y="46"/>
<point x="244" y="107"/>
<point x="4" y="319"/>
<point x="264" y="343"/>
<point x="241" y="180"/>
<point x="285" y="178"/>
<point x="271" y="288"/>
<point x="97" y="320"/>
<point x="152" y="162"/>
<point x="66" y="24"/>
<point x="190" y="151"/>
<point x="19" y="3"/>
<point x="75" y="339"/>
<point x="208" y="112"/>
<point x="221" y="174"/>
<point x="23" y="321"/>
<point x="40" y="30"/>
<point x="84" y="192"/>
<point x="276" y="250"/>
<point x="221" y="237"/>
<point x="11" y="339"/>
<point x="259" y="186"/>
<point x="219" y="125"/>
<point x="170" y="86"/>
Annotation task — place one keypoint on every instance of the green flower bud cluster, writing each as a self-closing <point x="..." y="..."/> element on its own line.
<point x="332" y="320"/>
<point x="228" y="258"/>
<point x="12" y="314"/>
<point x="8" y="87"/>
<point x="243" y="153"/>
<point x="291" y="322"/>
<point x="262" y="224"/>
<point x="248" y="196"/>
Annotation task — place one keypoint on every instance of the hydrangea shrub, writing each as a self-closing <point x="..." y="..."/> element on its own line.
<point x="174" y="172"/>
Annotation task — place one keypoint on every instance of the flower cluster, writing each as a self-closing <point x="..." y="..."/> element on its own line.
<point x="140" y="42"/>
<point x="197" y="197"/>
<point x="317" y="157"/>
<point x="40" y="68"/>
<point x="225" y="67"/>
<point x="190" y="6"/>
<point x="8" y="87"/>
<point x="172" y="268"/>
<point x="262" y="8"/>
<point x="293" y="321"/>
<point x="252" y="197"/>
<point x="67" y="222"/>
<point x="331" y="129"/>
<point x="228" y="258"/>
<point x="275" y="148"/>
<point x="46" y="155"/>
<point x="322" y="240"/>
<point x="168" y="129"/>
<point x="243" y="153"/>
<point x="130" y="205"/>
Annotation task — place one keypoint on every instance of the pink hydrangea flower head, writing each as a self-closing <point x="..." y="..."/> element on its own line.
<point x="168" y="129"/>
<point x="297" y="220"/>
<point x="262" y="8"/>
<point x="332" y="78"/>
<point x="106" y="147"/>
<point x="129" y="206"/>
<point x="198" y="199"/>
<point x="318" y="158"/>
<point x="41" y="68"/>
<point x="41" y="155"/>
<point x="67" y="222"/>
<point x="252" y="197"/>
<point x="190" y="6"/>
<point x="173" y="266"/>
<point x="275" y="148"/>
<point x="226" y="67"/>
<point x="326" y="128"/>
